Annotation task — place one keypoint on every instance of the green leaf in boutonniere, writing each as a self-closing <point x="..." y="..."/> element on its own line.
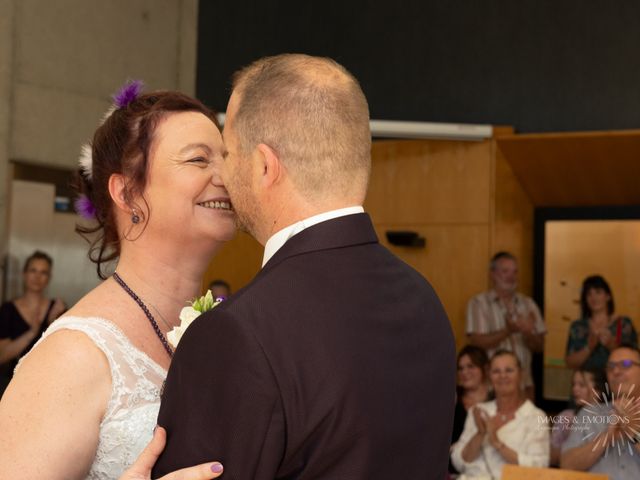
<point x="189" y="314"/>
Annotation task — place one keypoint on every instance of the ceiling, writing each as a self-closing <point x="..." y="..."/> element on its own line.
<point x="576" y="169"/>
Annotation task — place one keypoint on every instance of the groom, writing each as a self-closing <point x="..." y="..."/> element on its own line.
<point x="313" y="370"/>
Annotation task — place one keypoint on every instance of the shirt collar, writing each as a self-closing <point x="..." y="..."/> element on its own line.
<point x="279" y="238"/>
<point x="493" y="295"/>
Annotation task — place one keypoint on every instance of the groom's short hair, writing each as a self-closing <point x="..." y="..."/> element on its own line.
<point x="313" y="113"/>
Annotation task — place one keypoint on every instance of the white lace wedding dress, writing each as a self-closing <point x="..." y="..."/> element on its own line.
<point x="132" y="410"/>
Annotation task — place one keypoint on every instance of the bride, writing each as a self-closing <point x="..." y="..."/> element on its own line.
<point x="83" y="403"/>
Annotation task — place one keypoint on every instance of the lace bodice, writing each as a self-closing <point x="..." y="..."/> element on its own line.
<point x="132" y="410"/>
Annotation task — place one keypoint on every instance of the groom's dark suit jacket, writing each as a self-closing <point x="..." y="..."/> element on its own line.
<point x="336" y="362"/>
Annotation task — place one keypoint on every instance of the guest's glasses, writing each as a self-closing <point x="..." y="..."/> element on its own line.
<point x="623" y="364"/>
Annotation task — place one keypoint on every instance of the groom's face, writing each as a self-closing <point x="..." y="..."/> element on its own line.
<point x="237" y="174"/>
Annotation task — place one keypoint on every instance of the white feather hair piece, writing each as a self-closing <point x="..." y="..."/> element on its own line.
<point x="86" y="158"/>
<point x="86" y="161"/>
<point x="107" y="114"/>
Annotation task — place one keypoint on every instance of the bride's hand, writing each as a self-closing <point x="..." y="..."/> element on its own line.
<point x="141" y="469"/>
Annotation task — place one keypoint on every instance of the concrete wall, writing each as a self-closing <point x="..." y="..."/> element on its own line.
<point x="60" y="62"/>
<point x="6" y="50"/>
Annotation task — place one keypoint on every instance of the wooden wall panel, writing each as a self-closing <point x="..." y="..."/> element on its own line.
<point x="237" y="262"/>
<point x="442" y="190"/>
<point x="430" y="181"/>
<point x="512" y="225"/>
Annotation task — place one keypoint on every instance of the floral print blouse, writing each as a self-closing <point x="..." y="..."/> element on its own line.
<point x="579" y="337"/>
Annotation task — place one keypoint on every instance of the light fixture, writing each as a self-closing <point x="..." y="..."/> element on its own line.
<point x="434" y="130"/>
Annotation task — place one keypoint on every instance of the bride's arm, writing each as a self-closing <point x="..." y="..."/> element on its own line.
<point x="50" y="414"/>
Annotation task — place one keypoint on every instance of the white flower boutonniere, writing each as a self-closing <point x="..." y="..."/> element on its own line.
<point x="189" y="314"/>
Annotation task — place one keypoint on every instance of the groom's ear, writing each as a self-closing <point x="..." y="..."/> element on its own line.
<point x="272" y="168"/>
<point x="118" y="192"/>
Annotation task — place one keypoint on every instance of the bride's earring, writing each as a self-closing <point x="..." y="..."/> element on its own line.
<point x="135" y="219"/>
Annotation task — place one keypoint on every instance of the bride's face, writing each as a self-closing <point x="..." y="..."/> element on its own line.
<point x="186" y="197"/>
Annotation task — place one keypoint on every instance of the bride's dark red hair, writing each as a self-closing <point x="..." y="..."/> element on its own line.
<point x="121" y="145"/>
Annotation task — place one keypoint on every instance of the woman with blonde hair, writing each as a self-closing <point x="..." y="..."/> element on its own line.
<point x="504" y="430"/>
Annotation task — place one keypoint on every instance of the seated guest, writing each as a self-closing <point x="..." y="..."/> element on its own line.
<point x="220" y="289"/>
<point x="504" y="430"/>
<point x="608" y="439"/>
<point x="472" y="387"/>
<point x="24" y="319"/>
<point x="598" y="331"/>
<point x="586" y="386"/>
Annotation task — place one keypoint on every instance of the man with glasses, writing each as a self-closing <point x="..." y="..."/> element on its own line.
<point x="605" y="437"/>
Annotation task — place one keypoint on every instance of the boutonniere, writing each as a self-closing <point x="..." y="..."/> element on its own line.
<point x="189" y="314"/>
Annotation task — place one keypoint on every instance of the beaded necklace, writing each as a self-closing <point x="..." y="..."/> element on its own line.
<point x="146" y="311"/>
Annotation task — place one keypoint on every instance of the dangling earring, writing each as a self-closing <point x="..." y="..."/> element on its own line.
<point x="135" y="219"/>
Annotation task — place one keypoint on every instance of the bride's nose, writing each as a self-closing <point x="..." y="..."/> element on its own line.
<point x="216" y="177"/>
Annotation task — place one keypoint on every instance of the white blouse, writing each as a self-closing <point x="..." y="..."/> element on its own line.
<point x="527" y="434"/>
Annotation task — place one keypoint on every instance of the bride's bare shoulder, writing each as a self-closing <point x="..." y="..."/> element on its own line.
<point x="54" y="405"/>
<point x="70" y="359"/>
<point x="68" y="354"/>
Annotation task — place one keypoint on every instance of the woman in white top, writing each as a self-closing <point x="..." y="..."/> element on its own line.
<point x="83" y="403"/>
<point x="509" y="429"/>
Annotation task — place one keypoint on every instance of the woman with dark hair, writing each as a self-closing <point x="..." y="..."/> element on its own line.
<point x="472" y="387"/>
<point x="598" y="330"/>
<point x="84" y="402"/>
<point x="504" y="430"/>
<point x="24" y="319"/>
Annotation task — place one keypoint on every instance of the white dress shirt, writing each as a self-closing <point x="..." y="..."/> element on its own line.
<point x="279" y="238"/>
<point x="527" y="434"/>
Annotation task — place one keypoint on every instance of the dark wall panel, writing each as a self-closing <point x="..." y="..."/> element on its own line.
<point x="539" y="65"/>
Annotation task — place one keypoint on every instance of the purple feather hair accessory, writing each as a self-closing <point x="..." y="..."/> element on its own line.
<point x="128" y="93"/>
<point x="85" y="207"/>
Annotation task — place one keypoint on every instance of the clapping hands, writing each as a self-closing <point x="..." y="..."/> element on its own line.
<point x="524" y="324"/>
<point x="606" y="339"/>
<point x="489" y="426"/>
<point x="602" y="336"/>
<point x="480" y="417"/>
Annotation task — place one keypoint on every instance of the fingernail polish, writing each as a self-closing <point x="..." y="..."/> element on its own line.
<point x="216" y="467"/>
